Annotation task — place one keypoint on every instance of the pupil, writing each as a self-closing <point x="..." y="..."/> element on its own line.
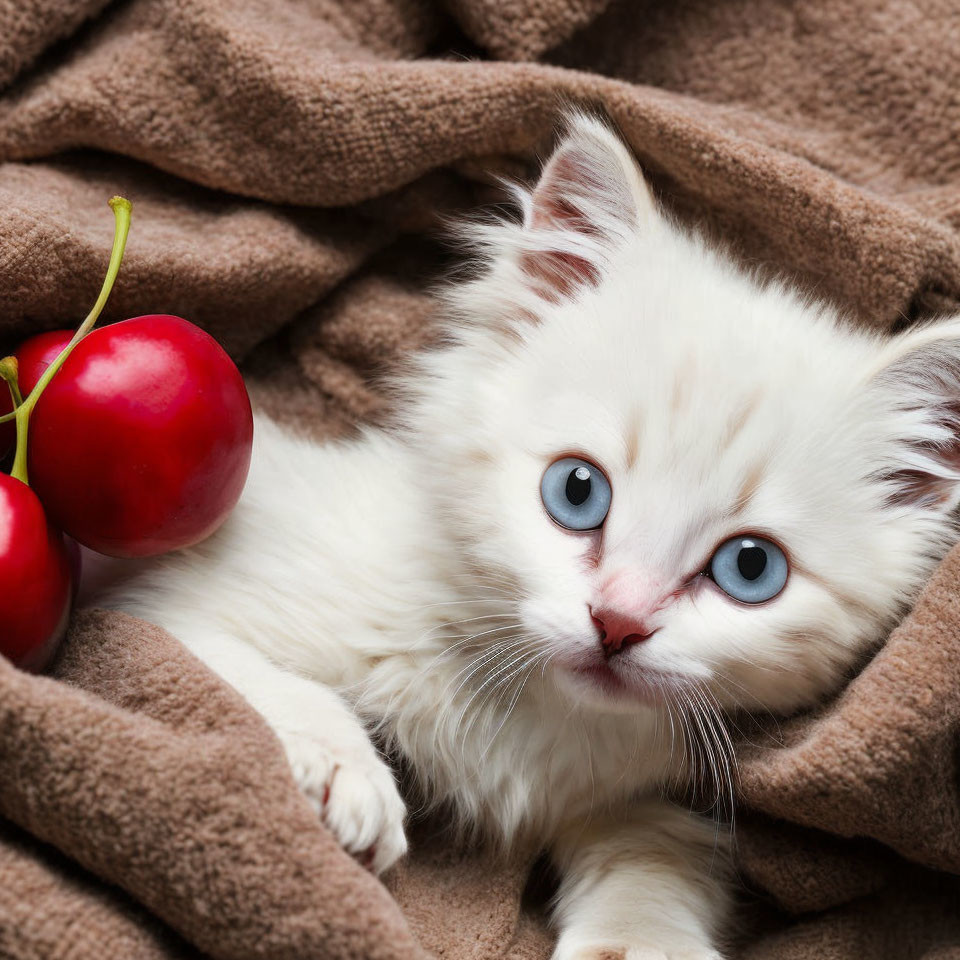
<point x="578" y="486"/>
<point x="751" y="562"/>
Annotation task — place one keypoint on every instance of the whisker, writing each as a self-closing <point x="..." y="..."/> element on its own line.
<point x="494" y="651"/>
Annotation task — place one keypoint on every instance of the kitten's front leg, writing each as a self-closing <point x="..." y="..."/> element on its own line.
<point x="332" y="758"/>
<point x="649" y="887"/>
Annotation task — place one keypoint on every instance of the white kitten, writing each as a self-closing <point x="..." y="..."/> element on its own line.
<point x="635" y="489"/>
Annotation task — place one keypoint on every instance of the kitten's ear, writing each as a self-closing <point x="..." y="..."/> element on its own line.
<point x="920" y="380"/>
<point x="590" y="197"/>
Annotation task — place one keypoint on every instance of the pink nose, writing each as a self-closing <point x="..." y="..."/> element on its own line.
<point x="618" y="630"/>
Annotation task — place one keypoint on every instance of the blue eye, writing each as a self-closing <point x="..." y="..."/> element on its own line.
<point x="575" y="493"/>
<point x="749" y="569"/>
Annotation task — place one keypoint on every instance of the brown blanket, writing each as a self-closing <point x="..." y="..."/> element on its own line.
<point x="288" y="162"/>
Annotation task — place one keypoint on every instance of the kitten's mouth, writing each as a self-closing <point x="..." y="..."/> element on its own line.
<point x="634" y="683"/>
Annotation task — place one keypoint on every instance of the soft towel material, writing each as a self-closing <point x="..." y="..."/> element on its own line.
<point x="290" y="162"/>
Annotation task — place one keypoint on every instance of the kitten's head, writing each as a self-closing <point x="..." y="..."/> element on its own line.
<point x="676" y="475"/>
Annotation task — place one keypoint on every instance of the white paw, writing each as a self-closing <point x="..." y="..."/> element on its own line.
<point x="354" y="793"/>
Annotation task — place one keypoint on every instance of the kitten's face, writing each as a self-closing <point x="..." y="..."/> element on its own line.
<point x="694" y="482"/>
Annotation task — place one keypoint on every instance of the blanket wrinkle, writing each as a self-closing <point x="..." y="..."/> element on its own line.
<point x="157" y="777"/>
<point x="292" y="164"/>
<point x="51" y="908"/>
<point x="523" y="29"/>
<point x="30" y="27"/>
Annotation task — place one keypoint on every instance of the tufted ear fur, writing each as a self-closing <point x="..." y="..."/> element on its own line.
<point x="590" y="197"/>
<point x="920" y="380"/>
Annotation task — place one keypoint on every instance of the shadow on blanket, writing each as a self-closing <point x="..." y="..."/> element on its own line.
<point x="146" y="811"/>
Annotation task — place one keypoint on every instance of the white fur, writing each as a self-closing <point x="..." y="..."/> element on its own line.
<point x="411" y="577"/>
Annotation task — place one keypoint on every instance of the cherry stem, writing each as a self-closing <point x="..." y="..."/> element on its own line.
<point x="9" y="368"/>
<point x="121" y="212"/>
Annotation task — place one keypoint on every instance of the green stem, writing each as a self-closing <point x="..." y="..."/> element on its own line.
<point x="121" y="212"/>
<point x="9" y="368"/>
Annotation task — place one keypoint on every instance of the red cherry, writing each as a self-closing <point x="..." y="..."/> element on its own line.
<point x="36" y="354"/>
<point x="35" y="576"/>
<point x="141" y="442"/>
<point x="33" y="357"/>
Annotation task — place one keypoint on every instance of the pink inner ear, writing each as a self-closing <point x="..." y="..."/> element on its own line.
<point x="928" y="487"/>
<point x="568" y="174"/>
<point x="557" y="274"/>
<point x="918" y="488"/>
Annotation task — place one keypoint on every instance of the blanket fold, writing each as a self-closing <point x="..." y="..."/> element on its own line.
<point x="291" y="164"/>
<point x="154" y="775"/>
